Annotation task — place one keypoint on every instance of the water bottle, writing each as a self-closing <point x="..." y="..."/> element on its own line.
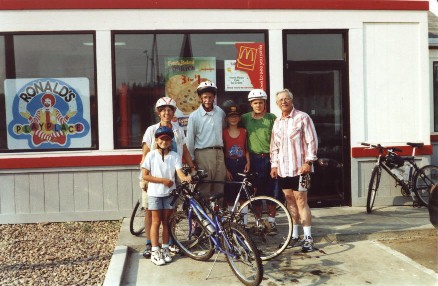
<point x="208" y="226"/>
<point x="397" y="172"/>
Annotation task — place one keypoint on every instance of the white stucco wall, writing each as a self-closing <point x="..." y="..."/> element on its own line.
<point x="388" y="64"/>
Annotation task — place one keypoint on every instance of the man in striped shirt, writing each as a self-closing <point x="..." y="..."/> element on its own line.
<point x="293" y="149"/>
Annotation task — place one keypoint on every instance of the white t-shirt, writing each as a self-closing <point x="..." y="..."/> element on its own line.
<point x="179" y="138"/>
<point x="157" y="168"/>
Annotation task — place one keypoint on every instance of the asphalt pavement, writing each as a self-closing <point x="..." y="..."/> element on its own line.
<point x="348" y="253"/>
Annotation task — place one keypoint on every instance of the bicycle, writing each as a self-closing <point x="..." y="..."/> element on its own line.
<point x="413" y="180"/>
<point x="198" y="235"/>
<point x="255" y="208"/>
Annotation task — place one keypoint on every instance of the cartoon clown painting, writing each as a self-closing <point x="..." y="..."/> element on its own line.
<point x="48" y="113"/>
<point x="43" y="123"/>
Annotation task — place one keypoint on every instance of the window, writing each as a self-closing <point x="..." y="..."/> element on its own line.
<point x="148" y="66"/>
<point x="48" y="92"/>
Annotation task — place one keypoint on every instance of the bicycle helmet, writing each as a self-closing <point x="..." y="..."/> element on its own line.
<point x="257" y="94"/>
<point x="165" y="101"/>
<point x="206" y="86"/>
<point x="164" y="131"/>
<point x="232" y="110"/>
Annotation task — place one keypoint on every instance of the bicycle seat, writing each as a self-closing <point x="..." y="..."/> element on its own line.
<point x="415" y="145"/>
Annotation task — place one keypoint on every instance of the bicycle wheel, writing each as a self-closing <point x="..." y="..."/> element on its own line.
<point x="136" y="224"/>
<point x="271" y="244"/>
<point x="195" y="243"/>
<point x="244" y="257"/>
<point x="373" y="187"/>
<point x="423" y="181"/>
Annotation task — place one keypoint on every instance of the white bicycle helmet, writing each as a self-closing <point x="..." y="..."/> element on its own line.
<point x="257" y="94"/>
<point x="165" y="101"/>
<point x="206" y="86"/>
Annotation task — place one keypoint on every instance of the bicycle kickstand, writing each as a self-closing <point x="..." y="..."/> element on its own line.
<point x="214" y="262"/>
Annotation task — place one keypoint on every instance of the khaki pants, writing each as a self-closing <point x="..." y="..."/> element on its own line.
<point x="212" y="161"/>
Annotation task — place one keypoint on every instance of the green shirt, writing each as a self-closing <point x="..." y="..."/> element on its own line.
<point x="259" y="132"/>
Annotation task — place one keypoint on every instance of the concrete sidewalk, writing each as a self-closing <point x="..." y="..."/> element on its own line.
<point x="348" y="254"/>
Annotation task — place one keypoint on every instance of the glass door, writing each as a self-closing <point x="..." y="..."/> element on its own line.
<point x="319" y="83"/>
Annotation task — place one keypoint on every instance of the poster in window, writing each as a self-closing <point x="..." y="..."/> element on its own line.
<point x="236" y="80"/>
<point x="183" y="75"/>
<point x="48" y="113"/>
<point x="250" y="59"/>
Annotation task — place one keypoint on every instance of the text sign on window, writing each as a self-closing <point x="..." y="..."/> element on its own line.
<point x="48" y="113"/>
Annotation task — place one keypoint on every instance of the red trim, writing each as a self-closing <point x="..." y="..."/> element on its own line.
<point x="67" y="161"/>
<point x="360" y="152"/>
<point x="223" y="4"/>
<point x="433" y="138"/>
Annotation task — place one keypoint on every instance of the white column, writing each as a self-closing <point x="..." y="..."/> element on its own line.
<point x="275" y="67"/>
<point x="104" y="90"/>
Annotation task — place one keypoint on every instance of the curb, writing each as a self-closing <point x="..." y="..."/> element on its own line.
<point x="114" y="274"/>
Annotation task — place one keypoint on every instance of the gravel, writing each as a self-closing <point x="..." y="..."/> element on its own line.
<point x="72" y="253"/>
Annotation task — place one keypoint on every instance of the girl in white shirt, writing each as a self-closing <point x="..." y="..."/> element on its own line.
<point x="158" y="169"/>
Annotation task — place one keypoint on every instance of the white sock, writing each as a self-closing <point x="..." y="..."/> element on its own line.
<point x="165" y="245"/>
<point x="155" y="248"/>
<point x="295" y="231"/>
<point x="307" y="231"/>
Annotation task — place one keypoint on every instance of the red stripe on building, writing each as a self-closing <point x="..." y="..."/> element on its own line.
<point x="433" y="138"/>
<point x="361" y="152"/>
<point x="69" y="161"/>
<point x="223" y="4"/>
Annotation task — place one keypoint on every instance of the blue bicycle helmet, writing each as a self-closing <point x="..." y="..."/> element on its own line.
<point x="164" y="131"/>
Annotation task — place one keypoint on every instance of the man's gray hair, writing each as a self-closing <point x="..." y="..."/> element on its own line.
<point x="287" y="91"/>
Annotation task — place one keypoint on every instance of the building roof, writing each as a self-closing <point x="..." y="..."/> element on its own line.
<point x="214" y="4"/>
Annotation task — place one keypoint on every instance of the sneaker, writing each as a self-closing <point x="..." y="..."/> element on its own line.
<point x="272" y="230"/>
<point x="147" y="251"/>
<point x="157" y="258"/>
<point x="307" y="244"/>
<point x="295" y="241"/>
<point x="174" y="248"/>
<point x="166" y="255"/>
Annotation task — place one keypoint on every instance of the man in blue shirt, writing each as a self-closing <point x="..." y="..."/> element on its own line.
<point x="204" y="138"/>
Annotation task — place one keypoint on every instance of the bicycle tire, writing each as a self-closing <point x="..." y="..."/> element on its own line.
<point x="373" y="187"/>
<point x="197" y="247"/>
<point x="270" y="246"/>
<point x="136" y="223"/>
<point x="247" y="264"/>
<point x="423" y="181"/>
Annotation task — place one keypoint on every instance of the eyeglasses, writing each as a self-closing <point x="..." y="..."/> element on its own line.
<point x="287" y="99"/>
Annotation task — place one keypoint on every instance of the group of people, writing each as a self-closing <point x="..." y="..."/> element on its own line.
<point x="223" y="143"/>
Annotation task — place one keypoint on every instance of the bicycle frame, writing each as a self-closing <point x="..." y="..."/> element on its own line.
<point x="196" y="209"/>
<point x="406" y="185"/>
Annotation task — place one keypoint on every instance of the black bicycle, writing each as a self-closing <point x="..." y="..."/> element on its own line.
<point x="255" y="215"/>
<point x="414" y="181"/>
<point x="201" y="228"/>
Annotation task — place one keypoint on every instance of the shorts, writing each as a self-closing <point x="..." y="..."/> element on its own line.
<point x="160" y="203"/>
<point x="289" y="182"/>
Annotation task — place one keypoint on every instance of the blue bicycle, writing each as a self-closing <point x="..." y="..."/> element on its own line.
<point x="200" y="229"/>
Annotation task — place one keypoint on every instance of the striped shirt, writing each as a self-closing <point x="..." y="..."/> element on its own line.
<point x="293" y="142"/>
